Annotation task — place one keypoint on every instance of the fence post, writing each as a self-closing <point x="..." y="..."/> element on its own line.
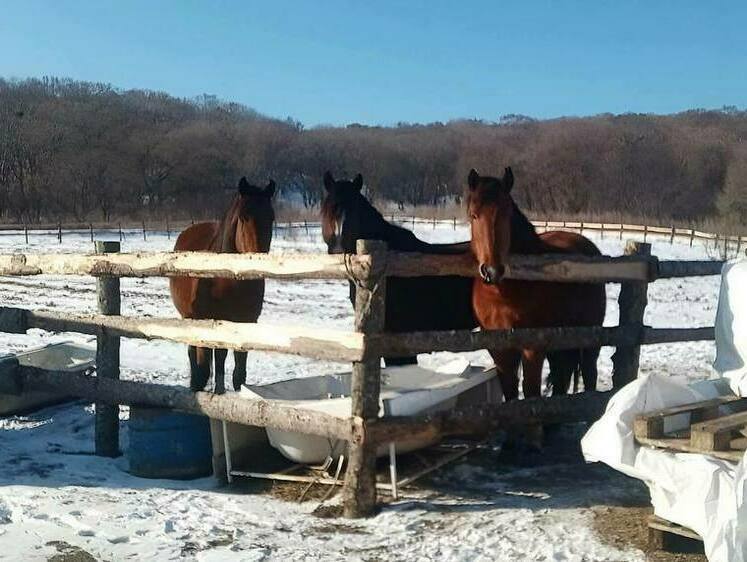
<point x="90" y="227"/>
<point x="168" y="229"/>
<point x="671" y="238"/>
<point x="454" y="220"/>
<point x="26" y="232"/>
<point x="359" y="493"/>
<point x="632" y="302"/>
<point x="107" y="359"/>
<point x="692" y="236"/>
<point x="121" y="235"/>
<point x="645" y="233"/>
<point x="622" y="228"/>
<point x="59" y="232"/>
<point x="144" y="237"/>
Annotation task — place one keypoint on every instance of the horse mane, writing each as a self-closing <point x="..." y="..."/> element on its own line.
<point x="225" y="237"/>
<point x="524" y="237"/>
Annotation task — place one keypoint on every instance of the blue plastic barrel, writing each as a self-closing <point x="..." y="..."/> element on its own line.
<point x="168" y="444"/>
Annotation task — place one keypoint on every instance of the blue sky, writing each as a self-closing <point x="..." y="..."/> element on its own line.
<point x="379" y="62"/>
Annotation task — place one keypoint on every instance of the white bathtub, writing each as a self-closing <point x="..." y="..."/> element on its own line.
<point x="405" y="391"/>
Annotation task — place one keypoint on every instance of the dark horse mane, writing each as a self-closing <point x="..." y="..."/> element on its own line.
<point x="371" y="224"/>
<point x="524" y="237"/>
<point x="224" y="240"/>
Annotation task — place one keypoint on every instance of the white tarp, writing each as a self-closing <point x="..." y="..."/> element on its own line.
<point x="731" y="327"/>
<point x="704" y="494"/>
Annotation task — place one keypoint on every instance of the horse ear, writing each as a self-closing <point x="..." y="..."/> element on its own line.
<point x="329" y="181"/>
<point x="472" y="178"/>
<point x="508" y="179"/>
<point x="358" y="182"/>
<point x="244" y="186"/>
<point x="270" y="189"/>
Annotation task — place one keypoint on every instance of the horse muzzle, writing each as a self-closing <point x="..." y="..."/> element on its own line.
<point x="490" y="274"/>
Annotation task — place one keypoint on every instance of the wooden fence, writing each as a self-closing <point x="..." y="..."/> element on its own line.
<point x="364" y="346"/>
<point x="722" y="242"/>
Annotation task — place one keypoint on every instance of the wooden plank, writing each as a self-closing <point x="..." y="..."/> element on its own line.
<point x="651" y="336"/>
<point x="682" y="445"/>
<point x="230" y="407"/>
<point x="660" y="524"/>
<point x="716" y="434"/>
<point x="551" y="267"/>
<point x="477" y="420"/>
<point x="188" y="264"/>
<point x="651" y="424"/>
<point x="688" y="268"/>
<point x="402" y="344"/>
<point x="318" y="343"/>
<point x="359" y="493"/>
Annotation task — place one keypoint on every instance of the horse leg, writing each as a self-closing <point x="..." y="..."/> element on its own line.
<point x="239" y="369"/>
<point x="199" y="361"/>
<point x="563" y="363"/>
<point x="532" y="361"/>
<point x="507" y="369"/>
<point x="589" y="368"/>
<point x="220" y="370"/>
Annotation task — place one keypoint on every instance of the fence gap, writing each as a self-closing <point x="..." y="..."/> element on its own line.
<point x="359" y="494"/>
<point x="107" y="358"/>
<point x="632" y="302"/>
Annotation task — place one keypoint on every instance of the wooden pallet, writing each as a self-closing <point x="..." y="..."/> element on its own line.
<point x="665" y="535"/>
<point x="712" y="431"/>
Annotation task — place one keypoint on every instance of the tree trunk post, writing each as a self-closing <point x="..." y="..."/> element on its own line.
<point x="359" y="494"/>
<point x="632" y="302"/>
<point x="107" y="359"/>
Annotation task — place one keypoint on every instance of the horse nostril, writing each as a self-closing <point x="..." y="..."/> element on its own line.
<point x="486" y="273"/>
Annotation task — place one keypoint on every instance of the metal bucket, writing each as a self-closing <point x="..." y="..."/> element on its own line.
<point x="168" y="444"/>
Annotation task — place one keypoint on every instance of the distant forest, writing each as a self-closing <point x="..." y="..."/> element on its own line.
<point x="78" y="151"/>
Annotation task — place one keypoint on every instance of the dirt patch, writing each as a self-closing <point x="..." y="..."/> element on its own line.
<point x="67" y="552"/>
<point x="625" y="527"/>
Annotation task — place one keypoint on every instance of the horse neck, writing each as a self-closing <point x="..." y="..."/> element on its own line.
<point x="524" y="237"/>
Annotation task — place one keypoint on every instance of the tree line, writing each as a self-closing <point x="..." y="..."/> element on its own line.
<point x="79" y="151"/>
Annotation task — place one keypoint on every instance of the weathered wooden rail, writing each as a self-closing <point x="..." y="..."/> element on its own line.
<point x="364" y="346"/>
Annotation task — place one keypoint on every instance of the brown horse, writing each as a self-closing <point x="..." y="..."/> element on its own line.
<point x="412" y="303"/>
<point x="246" y="227"/>
<point x="499" y="228"/>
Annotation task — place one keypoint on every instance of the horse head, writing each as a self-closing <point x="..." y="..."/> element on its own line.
<point x="491" y="209"/>
<point x="344" y="214"/>
<point x="252" y="215"/>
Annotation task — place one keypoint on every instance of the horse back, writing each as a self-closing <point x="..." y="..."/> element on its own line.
<point x="220" y="299"/>
<point x="564" y="242"/>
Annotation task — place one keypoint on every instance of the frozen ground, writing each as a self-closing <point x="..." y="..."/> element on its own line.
<point x="53" y="493"/>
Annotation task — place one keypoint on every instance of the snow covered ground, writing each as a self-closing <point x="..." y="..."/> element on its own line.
<point x="54" y="495"/>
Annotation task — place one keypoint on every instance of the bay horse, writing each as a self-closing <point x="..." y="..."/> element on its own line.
<point x="412" y="303"/>
<point x="498" y="229"/>
<point x="246" y="227"/>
